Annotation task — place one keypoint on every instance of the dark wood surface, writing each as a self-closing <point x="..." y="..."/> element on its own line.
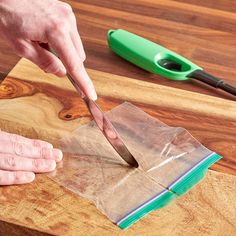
<point x="203" y="31"/>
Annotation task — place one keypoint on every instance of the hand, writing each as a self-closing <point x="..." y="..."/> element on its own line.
<point x="21" y="157"/>
<point x="26" y="23"/>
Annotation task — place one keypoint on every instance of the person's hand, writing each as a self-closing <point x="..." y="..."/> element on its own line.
<point x="21" y="158"/>
<point x="26" y="23"/>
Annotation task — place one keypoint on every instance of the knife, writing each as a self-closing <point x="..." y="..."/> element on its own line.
<point x="106" y="127"/>
<point x="160" y="60"/>
<point x="103" y="122"/>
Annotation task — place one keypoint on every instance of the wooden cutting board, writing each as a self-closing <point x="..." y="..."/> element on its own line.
<point x="43" y="106"/>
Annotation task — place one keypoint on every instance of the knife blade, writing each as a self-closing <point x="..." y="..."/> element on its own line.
<point x="106" y="127"/>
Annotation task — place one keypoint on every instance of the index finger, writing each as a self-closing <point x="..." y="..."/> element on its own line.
<point x="73" y="63"/>
<point x="9" y="137"/>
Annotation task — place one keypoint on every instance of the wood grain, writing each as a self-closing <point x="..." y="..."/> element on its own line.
<point x="204" y="116"/>
<point x="209" y="209"/>
<point x="46" y="102"/>
<point x="204" y="32"/>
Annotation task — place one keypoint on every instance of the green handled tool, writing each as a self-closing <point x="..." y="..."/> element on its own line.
<point x="159" y="60"/>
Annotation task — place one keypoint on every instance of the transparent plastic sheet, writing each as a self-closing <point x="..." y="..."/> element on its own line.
<point x="166" y="155"/>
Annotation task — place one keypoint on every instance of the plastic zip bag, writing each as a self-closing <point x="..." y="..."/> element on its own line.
<point x="170" y="161"/>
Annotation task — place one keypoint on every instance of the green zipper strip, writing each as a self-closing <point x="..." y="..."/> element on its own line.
<point x="160" y="202"/>
<point x="195" y="175"/>
<point x="179" y="188"/>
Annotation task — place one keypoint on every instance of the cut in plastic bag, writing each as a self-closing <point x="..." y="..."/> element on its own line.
<point x="170" y="161"/>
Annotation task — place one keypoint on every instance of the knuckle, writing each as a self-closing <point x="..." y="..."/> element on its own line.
<point x="48" y="65"/>
<point x="58" y="71"/>
<point x="16" y="176"/>
<point x="66" y="8"/>
<point x="43" y="153"/>
<point x="37" y="143"/>
<point x="52" y="68"/>
<point x="18" y="148"/>
<point x="59" y="26"/>
<point x="73" y="68"/>
<point x="42" y="144"/>
<point x="36" y="164"/>
<point x="62" y="28"/>
<point x="10" y="161"/>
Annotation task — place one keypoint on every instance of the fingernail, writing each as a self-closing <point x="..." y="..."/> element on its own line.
<point x="44" y="144"/>
<point x="61" y="72"/>
<point x="57" y="154"/>
<point x="49" y="145"/>
<point x="52" y="166"/>
<point x="93" y="95"/>
<point x="29" y="176"/>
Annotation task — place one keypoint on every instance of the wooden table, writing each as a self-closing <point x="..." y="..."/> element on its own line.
<point x="204" y="32"/>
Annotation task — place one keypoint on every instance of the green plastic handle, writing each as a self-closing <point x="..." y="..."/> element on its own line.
<point x="148" y="55"/>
